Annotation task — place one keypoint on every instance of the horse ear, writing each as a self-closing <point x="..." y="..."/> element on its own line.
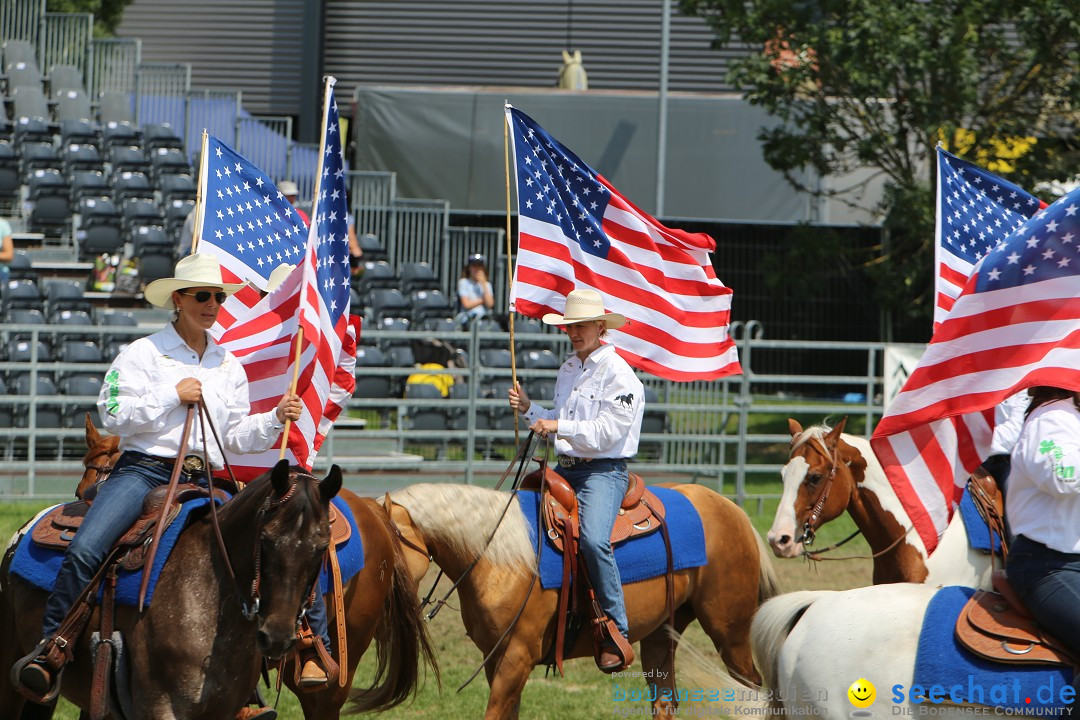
<point x="330" y="485"/>
<point x="93" y="437"/>
<point x="279" y="477"/>
<point x="794" y="427"/>
<point x="387" y="503"/>
<point x="833" y="438"/>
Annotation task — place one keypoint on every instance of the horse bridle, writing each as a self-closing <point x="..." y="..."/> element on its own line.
<point x="812" y="519"/>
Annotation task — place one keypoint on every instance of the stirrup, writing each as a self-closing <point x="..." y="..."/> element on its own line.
<point x="37" y="662"/>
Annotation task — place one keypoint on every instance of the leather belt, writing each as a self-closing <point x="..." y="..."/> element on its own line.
<point x="566" y="461"/>
<point x="192" y="464"/>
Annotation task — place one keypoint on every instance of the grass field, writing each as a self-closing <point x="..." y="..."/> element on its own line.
<point x="584" y="692"/>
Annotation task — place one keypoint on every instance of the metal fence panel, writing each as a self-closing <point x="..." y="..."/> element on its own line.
<point x="161" y="91"/>
<point x="66" y="40"/>
<point x="214" y="111"/>
<point x="112" y="65"/>
<point x="420" y="228"/>
<point x="372" y="195"/>
<point x="21" y="19"/>
<point x="461" y="242"/>
<point x="264" y="140"/>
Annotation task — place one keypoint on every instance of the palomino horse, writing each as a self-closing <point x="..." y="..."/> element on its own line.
<point x="829" y="472"/>
<point x="451" y="523"/>
<point x="380" y="604"/>
<point x="210" y="667"/>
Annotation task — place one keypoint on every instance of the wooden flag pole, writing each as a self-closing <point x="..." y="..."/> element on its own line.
<point x="328" y="85"/>
<point x="510" y="264"/>
<point x="292" y="389"/>
<point x="200" y="195"/>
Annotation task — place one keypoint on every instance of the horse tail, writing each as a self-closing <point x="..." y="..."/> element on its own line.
<point x="400" y="639"/>
<point x="768" y="582"/>
<point x="773" y="622"/>
<point x="700" y="671"/>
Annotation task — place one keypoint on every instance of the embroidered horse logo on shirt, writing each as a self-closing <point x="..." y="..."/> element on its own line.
<point x="627" y="400"/>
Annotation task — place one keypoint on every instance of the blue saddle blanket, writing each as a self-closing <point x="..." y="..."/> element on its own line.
<point x="39" y="565"/>
<point x="640" y="558"/>
<point x="978" y="532"/>
<point x="943" y="667"/>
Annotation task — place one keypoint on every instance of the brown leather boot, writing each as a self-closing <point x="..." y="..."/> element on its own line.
<point x="312" y="674"/>
<point x="262" y="713"/>
<point x="37" y="675"/>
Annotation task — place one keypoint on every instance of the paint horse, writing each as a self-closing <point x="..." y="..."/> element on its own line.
<point x="212" y="666"/>
<point x="449" y="524"/>
<point x="380" y="604"/>
<point x="829" y="472"/>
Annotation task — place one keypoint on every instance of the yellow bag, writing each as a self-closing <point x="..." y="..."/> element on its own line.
<point x="441" y="381"/>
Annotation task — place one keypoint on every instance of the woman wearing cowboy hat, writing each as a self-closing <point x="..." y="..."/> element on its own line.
<point x="144" y="400"/>
<point x="596" y="423"/>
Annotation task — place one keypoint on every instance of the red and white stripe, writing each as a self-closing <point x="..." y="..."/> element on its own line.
<point x="662" y="279"/>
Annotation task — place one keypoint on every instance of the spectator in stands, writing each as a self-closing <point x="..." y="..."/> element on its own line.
<point x="596" y="423"/>
<point x="143" y="400"/>
<point x="474" y="291"/>
<point x="291" y="192"/>
<point x="7" y="249"/>
<point x="187" y="235"/>
<point x="356" y="253"/>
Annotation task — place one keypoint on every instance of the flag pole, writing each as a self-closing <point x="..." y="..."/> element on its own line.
<point x="328" y="85"/>
<point x="200" y="195"/>
<point x="509" y="263"/>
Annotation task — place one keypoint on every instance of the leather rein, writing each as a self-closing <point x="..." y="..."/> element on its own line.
<point x="814" y="517"/>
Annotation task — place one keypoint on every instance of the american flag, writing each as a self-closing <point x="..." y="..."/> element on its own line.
<point x="1015" y="325"/>
<point x="976" y="210"/>
<point x="314" y="298"/>
<point x="248" y="224"/>
<point x="577" y="231"/>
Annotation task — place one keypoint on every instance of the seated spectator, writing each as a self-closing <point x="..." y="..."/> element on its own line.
<point x="474" y="291"/>
<point x="291" y="192"/>
<point x="356" y="253"/>
<point x="7" y="249"/>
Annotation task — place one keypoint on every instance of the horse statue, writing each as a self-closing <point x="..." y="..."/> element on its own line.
<point x="514" y="624"/>
<point x="211" y="667"/>
<point x="828" y="472"/>
<point x="380" y="604"/>
<point x="572" y="73"/>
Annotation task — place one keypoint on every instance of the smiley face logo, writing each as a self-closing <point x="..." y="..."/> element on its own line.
<point x="862" y="693"/>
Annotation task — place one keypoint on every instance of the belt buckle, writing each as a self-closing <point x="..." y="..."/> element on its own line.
<point x="565" y="461"/>
<point x="193" y="464"/>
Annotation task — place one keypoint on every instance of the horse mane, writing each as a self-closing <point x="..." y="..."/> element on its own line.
<point x="462" y="517"/>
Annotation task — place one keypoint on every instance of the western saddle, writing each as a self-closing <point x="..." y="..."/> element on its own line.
<point x="996" y="625"/>
<point x="641" y="513"/>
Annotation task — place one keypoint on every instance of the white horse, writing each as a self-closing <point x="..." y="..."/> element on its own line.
<point x="829" y="472"/>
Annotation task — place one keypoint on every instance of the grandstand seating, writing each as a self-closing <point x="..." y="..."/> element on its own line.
<point x="371" y="247"/>
<point x="65" y="77"/>
<point x="417" y="276"/>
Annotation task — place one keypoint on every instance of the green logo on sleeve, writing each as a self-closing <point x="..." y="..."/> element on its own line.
<point x="112" y="380"/>
<point x="1049" y="447"/>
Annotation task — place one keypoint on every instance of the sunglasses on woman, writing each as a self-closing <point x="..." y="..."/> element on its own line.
<point x="204" y="295"/>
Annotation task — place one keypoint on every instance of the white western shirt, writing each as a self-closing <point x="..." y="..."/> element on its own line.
<point x="1043" y="499"/>
<point x="139" y="402"/>
<point x="599" y="404"/>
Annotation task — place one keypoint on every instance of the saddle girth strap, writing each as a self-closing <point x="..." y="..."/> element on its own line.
<point x="339" y="614"/>
<point x="570" y="551"/>
<point x="99" y="686"/>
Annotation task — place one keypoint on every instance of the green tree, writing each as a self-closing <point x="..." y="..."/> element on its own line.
<point x="863" y="84"/>
<point x="107" y="13"/>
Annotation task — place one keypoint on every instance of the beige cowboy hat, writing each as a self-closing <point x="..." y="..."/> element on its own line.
<point x="278" y="276"/>
<point x="288" y="187"/>
<point x="583" y="305"/>
<point x="196" y="270"/>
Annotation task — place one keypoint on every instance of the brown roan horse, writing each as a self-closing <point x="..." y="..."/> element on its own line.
<point x="380" y="604"/>
<point x="451" y="523"/>
<point x="192" y="653"/>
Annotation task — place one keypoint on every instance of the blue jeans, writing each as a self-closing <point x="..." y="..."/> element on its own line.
<point x="1049" y="583"/>
<point x="600" y="486"/>
<point x="116" y="507"/>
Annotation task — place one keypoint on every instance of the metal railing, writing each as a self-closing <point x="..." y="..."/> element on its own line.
<point x="66" y="40"/>
<point x="21" y="20"/>
<point x="708" y="432"/>
<point x="112" y="65"/>
<point x="264" y="140"/>
<point x="161" y="91"/>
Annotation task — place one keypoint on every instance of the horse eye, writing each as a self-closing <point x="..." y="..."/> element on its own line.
<point x="813" y="479"/>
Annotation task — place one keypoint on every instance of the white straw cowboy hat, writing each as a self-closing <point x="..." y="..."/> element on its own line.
<point x="583" y="305"/>
<point x="288" y="187"/>
<point x="278" y="276"/>
<point x="196" y="270"/>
